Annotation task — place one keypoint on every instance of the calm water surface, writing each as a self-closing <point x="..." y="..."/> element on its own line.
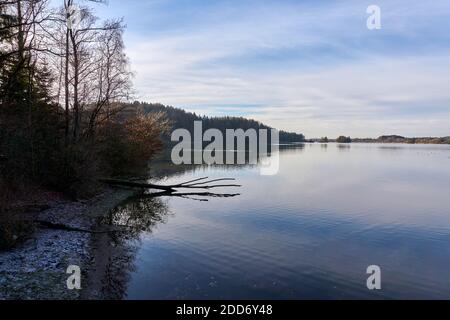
<point x="310" y="231"/>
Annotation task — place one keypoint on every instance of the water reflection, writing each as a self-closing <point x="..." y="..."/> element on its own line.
<point x="138" y="214"/>
<point x="308" y="232"/>
<point x="113" y="253"/>
<point x="163" y="168"/>
<point x="343" y="147"/>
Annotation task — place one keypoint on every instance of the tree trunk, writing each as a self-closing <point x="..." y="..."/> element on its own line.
<point x="20" y="34"/>
<point x="66" y="90"/>
<point x="76" y="102"/>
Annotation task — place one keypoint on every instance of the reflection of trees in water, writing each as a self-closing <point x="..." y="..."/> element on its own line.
<point x="137" y="215"/>
<point x="390" y="148"/>
<point x="162" y="167"/>
<point x="343" y="147"/>
<point x="113" y="254"/>
<point x="297" y="147"/>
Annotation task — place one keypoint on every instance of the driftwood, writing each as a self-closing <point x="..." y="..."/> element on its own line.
<point x="198" y="196"/>
<point x="200" y="183"/>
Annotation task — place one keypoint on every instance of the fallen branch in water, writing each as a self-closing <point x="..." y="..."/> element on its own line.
<point x="200" y="183"/>
<point x="190" y="195"/>
<point x="168" y="190"/>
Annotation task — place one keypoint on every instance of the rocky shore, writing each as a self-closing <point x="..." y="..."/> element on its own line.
<point x="36" y="269"/>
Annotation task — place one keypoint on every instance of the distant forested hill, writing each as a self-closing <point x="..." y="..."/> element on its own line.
<point x="183" y="119"/>
<point x="400" y="139"/>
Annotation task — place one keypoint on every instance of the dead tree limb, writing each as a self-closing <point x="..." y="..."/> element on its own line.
<point x="193" y="184"/>
<point x="125" y="183"/>
<point x="203" y="196"/>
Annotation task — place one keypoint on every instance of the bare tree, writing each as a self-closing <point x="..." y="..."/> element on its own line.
<point x="96" y="74"/>
<point x="113" y="77"/>
<point x="76" y="50"/>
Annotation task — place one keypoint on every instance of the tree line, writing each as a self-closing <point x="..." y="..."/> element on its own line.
<point x="180" y="118"/>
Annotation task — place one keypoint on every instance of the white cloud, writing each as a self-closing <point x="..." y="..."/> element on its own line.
<point x="365" y="93"/>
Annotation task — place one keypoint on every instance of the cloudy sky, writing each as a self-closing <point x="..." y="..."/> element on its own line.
<point x="309" y="66"/>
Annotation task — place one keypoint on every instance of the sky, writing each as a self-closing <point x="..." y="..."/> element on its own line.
<point x="310" y="66"/>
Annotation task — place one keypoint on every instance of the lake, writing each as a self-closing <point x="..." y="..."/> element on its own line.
<point x="309" y="232"/>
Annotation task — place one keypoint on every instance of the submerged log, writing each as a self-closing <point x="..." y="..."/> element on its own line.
<point x="126" y="183"/>
<point x="198" y="196"/>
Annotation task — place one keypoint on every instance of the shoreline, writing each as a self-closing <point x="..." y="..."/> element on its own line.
<point x="373" y="142"/>
<point x="410" y="141"/>
<point x="36" y="268"/>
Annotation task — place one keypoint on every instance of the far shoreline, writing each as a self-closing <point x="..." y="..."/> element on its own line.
<point x="391" y="139"/>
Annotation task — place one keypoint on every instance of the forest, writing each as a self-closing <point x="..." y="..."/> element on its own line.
<point x="61" y="91"/>
<point x="180" y="118"/>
